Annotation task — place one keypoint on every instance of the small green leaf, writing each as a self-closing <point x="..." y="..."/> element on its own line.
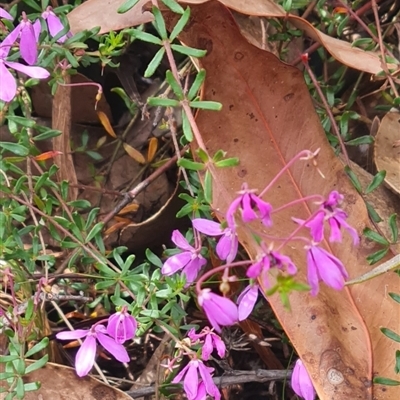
<point x="397" y="365"/>
<point x="37" y="347"/>
<point x="360" y="140"/>
<point x="375" y="257"/>
<point x="375" y="236"/>
<point x="159" y="23"/>
<point x="386" y="381"/>
<point x="353" y="178"/>
<point x="186" y="128"/>
<point x="127" y="6"/>
<point x="47" y="135"/>
<point x="188" y="51"/>
<point x="394" y="230"/>
<point x="395" y="297"/>
<point x="154" y="63"/>
<point x="203" y="155"/>
<point x="91" y="217"/>
<point x="95" y="230"/>
<point x="208" y="187"/>
<point x="106" y="270"/>
<point x="372" y="213"/>
<point x="391" y="334"/>
<point x="15" y="148"/>
<point x="173" y="6"/>
<point x="155" y="260"/>
<point x="32" y="386"/>
<point x="206" y="105"/>
<point x="37" y="364"/>
<point x="376" y="181"/>
<point x="161" y="102"/>
<point x="147" y="37"/>
<point x="192" y="165"/>
<point x="33" y="4"/>
<point x="104" y="284"/>
<point x="228" y="162"/>
<point x="180" y="24"/>
<point x="198" y="82"/>
<point x="127" y="264"/>
<point x="175" y="86"/>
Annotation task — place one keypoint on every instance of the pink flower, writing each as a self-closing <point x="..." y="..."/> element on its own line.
<point x="227" y="245"/>
<point x="191" y="383"/>
<point x="324" y="266"/>
<point x="121" y="326"/>
<point x="190" y="261"/>
<point x="219" y="310"/>
<point x="336" y="218"/>
<point x="267" y="261"/>
<point x="54" y="24"/>
<point x="4" y="14"/>
<point x="211" y="341"/>
<point x="247" y="300"/>
<point x="86" y="355"/>
<point x="301" y="382"/>
<point x="251" y="206"/>
<point x="8" y="86"/>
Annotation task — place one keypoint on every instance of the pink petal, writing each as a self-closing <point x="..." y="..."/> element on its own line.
<point x="205" y="374"/>
<point x="181" y="241"/>
<point x="8" y="86"/>
<point x="316" y="226"/>
<point x="33" y="72"/>
<point x="201" y="392"/>
<point x="248" y="213"/>
<point x="219" y="345"/>
<point x="227" y="247"/>
<point x="246" y="301"/>
<point x="85" y="356"/>
<point x="192" y="269"/>
<point x="176" y="262"/>
<point x="116" y="349"/>
<point x="312" y="273"/>
<point x="207" y="227"/>
<point x="27" y="43"/>
<point x="191" y="382"/>
<point x="72" y="335"/>
<point x="178" y="378"/>
<point x="55" y="26"/>
<point x="207" y="348"/>
<point x="10" y="39"/>
<point x="4" y="14"/>
<point x="37" y="27"/>
<point x="301" y="382"/>
<point x="121" y="326"/>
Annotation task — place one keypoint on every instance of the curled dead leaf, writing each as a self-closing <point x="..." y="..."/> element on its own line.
<point x="106" y="124"/>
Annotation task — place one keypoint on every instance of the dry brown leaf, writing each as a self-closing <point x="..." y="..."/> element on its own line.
<point x="152" y="150"/>
<point x="59" y="382"/>
<point x="129" y="208"/>
<point x="135" y="154"/>
<point x="342" y="51"/>
<point x="103" y="13"/>
<point x="267" y="118"/>
<point x="386" y="153"/>
<point x="106" y="124"/>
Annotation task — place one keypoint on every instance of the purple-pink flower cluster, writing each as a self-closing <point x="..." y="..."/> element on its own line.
<point x="25" y="36"/>
<point x="121" y="327"/>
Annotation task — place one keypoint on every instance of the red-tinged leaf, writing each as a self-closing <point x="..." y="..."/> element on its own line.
<point x="47" y="155"/>
<point x="266" y="119"/>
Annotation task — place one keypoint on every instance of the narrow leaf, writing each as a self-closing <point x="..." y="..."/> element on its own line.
<point x="206" y="105"/>
<point x="188" y="164"/>
<point x="180" y="24"/>
<point x="152" y="150"/>
<point x="175" y="86"/>
<point x="135" y="154"/>
<point x="106" y="124"/>
<point x="376" y="181"/>
<point x="154" y="63"/>
<point x="198" y="82"/>
<point x="95" y="230"/>
<point x="161" y="102"/>
<point x="188" y="51"/>
<point x="127" y="6"/>
<point x="391" y="334"/>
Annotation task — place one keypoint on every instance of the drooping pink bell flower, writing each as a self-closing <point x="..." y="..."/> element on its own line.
<point x="324" y="266"/>
<point x="190" y="261"/>
<point x="4" y="14"/>
<point x="210" y="341"/>
<point x="301" y="382"/>
<point x="329" y="211"/>
<point x="86" y="354"/>
<point x="191" y="383"/>
<point x="55" y="25"/>
<point x="121" y="326"/>
<point x="251" y="207"/>
<point x="8" y="85"/>
<point x="227" y="246"/>
<point x="219" y="310"/>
